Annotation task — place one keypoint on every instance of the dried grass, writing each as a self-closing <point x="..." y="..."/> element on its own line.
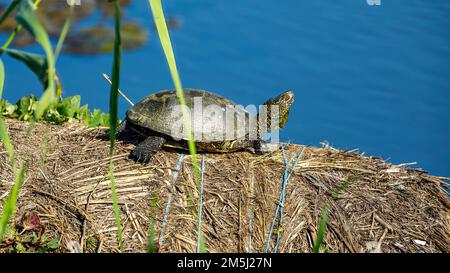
<point x="386" y="206"/>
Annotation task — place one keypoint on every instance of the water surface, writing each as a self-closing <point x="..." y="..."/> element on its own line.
<point x="375" y="78"/>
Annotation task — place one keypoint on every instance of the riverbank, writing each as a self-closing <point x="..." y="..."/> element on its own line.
<point x="384" y="208"/>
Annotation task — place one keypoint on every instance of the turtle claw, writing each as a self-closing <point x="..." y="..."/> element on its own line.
<point x="145" y="150"/>
<point x="141" y="156"/>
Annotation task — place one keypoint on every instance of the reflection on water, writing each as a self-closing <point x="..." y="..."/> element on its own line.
<point x="100" y="39"/>
<point x="370" y="77"/>
<point x="92" y="29"/>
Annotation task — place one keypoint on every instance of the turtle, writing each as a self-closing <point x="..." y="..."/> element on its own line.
<point x="159" y="122"/>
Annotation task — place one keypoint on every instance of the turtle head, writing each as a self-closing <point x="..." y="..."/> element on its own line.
<point x="284" y="102"/>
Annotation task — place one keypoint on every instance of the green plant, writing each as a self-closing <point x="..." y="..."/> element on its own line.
<point x="163" y="33"/>
<point x="28" y="236"/>
<point x="166" y="44"/>
<point x="18" y="26"/>
<point x="8" y="11"/>
<point x="26" y="17"/>
<point x="324" y="216"/>
<point x="64" y="32"/>
<point x="322" y="229"/>
<point x="152" y="246"/>
<point x="59" y="112"/>
<point x="113" y="97"/>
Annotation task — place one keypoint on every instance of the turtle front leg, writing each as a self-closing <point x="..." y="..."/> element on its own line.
<point x="145" y="150"/>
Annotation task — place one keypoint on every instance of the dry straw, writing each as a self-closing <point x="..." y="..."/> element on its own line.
<point x="392" y="207"/>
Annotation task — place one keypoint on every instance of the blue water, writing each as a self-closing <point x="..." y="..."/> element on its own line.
<point x="375" y="78"/>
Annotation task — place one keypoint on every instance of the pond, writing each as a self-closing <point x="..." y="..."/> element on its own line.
<point x="376" y="78"/>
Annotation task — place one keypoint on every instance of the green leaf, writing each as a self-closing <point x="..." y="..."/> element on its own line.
<point x="105" y="120"/>
<point x="35" y="62"/>
<point x="20" y="248"/>
<point x="7" y="109"/>
<point x="69" y="106"/>
<point x="53" y="115"/>
<point x="27" y="18"/>
<point x="83" y="113"/>
<point x="53" y="244"/>
<point x="25" y="107"/>
<point x="95" y="119"/>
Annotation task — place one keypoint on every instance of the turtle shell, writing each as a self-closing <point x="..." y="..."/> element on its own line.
<point x="214" y="118"/>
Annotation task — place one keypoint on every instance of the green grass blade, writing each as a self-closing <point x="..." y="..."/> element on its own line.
<point x="322" y="229"/>
<point x="161" y="26"/>
<point x="202" y="244"/>
<point x="2" y="77"/>
<point x="10" y="206"/>
<point x="35" y="62"/>
<point x="151" y="237"/>
<point x="343" y="186"/>
<point x="116" y="205"/>
<point x="4" y="136"/>
<point x="28" y="19"/>
<point x="11" y="37"/>
<point x="113" y="98"/>
<point x="64" y="32"/>
<point x="326" y="212"/>
<point x="16" y="30"/>
<point x="8" y="11"/>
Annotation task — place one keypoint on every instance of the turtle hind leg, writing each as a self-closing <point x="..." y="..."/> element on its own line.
<point x="145" y="150"/>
